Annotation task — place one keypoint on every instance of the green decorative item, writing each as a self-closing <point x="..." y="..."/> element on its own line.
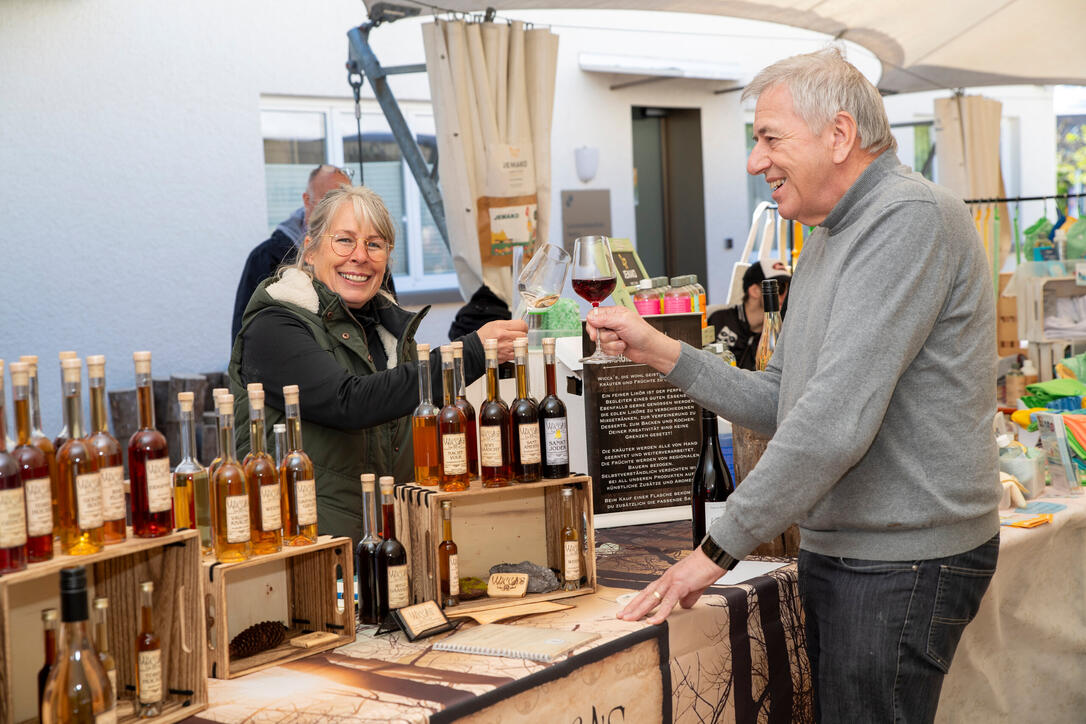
<point x="1076" y="240"/>
<point x="563" y="318"/>
<point x="1036" y="234"/>
<point x="472" y="588"/>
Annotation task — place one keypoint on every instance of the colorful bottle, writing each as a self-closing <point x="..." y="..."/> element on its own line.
<point x="191" y="482"/>
<point x="365" y="558"/>
<point x="424" y="431"/>
<point x="677" y="297"/>
<point x="37" y="434"/>
<point x="712" y="480"/>
<point x="524" y="422"/>
<point x="298" y="487"/>
<point x="265" y="495"/>
<point x="150" y="668"/>
<point x="771" y="325"/>
<point x="461" y="385"/>
<point x="495" y="437"/>
<point x="110" y="456"/>
<point x="62" y="436"/>
<point x="553" y="430"/>
<point x="49" y="617"/>
<point x="101" y="643"/>
<point x="448" y="562"/>
<point x="571" y="545"/>
<point x="646" y="300"/>
<point x="698" y="295"/>
<point x="230" y="491"/>
<point x="149" y="462"/>
<point x="452" y="431"/>
<point x="12" y="500"/>
<point x="35" y="471"/>
<point x="392" y="581"/>
<point x="79" y="506"/>
<point x="660" y="287"/>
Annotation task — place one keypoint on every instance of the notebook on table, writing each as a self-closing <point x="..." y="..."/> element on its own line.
<point x="521" y="642"/>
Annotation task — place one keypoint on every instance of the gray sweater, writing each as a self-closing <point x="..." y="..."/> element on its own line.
<point x="881" y="392"/>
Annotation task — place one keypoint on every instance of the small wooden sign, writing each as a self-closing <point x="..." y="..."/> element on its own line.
<point x="314" y="638"/>
<point x="507" y="585"/>
<point x="421" y="620"/>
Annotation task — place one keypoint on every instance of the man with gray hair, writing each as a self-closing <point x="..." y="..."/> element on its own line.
<point x="879" y="398"/>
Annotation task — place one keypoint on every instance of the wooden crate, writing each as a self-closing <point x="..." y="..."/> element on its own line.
<point x="491" y="526"/>
<point x="1007" y="339"/>
<point x="298" y="586"/>
<point x="171" y="562"/>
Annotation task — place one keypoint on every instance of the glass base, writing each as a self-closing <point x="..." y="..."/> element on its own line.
<point x="599" y="359"/>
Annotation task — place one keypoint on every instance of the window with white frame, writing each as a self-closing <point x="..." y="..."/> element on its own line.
<point x="297" y="135"/>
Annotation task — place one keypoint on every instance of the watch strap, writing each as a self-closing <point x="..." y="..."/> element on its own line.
<point x="717" y="554"/>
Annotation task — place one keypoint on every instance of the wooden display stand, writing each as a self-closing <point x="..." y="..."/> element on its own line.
<point x="491" y="526"/>
<point x="171" y="562"/>
<point x="299" y="585"/>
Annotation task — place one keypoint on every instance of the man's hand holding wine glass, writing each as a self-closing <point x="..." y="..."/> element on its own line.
<point x="621" y="331"/>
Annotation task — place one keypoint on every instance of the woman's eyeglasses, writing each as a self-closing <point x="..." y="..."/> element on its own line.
<point x="345" y="244"/>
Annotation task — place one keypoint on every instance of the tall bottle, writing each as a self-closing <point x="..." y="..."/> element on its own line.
<point x="110" y="457"/>
<point x="553" y="430"/>
<point x="265" y="497"/>
<point x="279" y="432"/>
<point x="712" y="480"/>
<point x="220" y="445"/>
<point x="63" y="435"/>
<point x="79" y="504"/>
<point x="571" y="545"/>
<point x="495" y="437"/>
<point x="12" y="500"/>
<point x="191" y="481"/>
<point x="452" y="431"/>
<point x="35" y="471"/>
<point x="230" y="491"/>
<point x="524" y="422"/>
<point x="38" y="437"/>
<point x="78" y="688"/>
<point x="424" y="431"/>
<point x="149" y="462"/>
<point x="460" y="383"/>
<point x="365" y="558"/>
<point x="771" y="326"/>
<point x="448" y="562"/>
<point x="101" y="643"/>
<point x="392" y="583"/>
<point x="150" y="668"/>
<point x="49" y="618"/>
<point x="298" y="488"/>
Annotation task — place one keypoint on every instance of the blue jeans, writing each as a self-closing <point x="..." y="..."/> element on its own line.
<point x="881" y="634"/>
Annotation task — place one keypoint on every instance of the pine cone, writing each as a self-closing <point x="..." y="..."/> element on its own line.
<point x="258" y="637"/>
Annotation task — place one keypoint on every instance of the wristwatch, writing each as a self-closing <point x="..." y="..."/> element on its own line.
<point x="717" y="554"/>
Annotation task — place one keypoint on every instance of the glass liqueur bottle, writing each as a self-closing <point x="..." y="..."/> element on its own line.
<point x="553" y="431"/>
<point x="365" y="557"/>
<point x="110" y="457"/>
<point x="230" y="491"/>
<point x="63" y="435"/>
<point x="149" y="462"/>
<point x="524" y="421"/>
<point x="150" y="677"/>
<point x="34" y="469"/>
<point x="461" y="386"/>
<point x="424" y="426"/>
<point x="220" y="446"/>
<point x="448" y="561"/>
<point x="191" y="482"/>
<point x="299" y="490"/>
<point x="12" y="500"/>
<point x="571" y="545"/>
<point x="495" y="440"/>
<point x="712" y="481"/>
<point x="279" y="432"/>
<point x="452" y="431"/>
<point x="78" y="688"/>
<point x="265" y="500"/>
<point x="101" y="643"/>
<point x="49" y="632"/>
<point x="37" y="435"/>
<point x="392" y="585"/>
<point x="771" y="326"/>
<point x="79" y="504"/>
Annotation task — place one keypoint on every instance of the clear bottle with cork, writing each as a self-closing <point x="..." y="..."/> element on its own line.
<point x="191" y="482"/>
<point x="35" y="471"/>
<point x="771" y="324"/>
<point x="215" y="395"/>
<point x="572" y="570"/>
<point x="149" y="462"/>
<point x="230" y="491"/>
<point x="63" y="436"/>
<point x="110" y="455"/>
<point x="460" y="383"/>
<point x="150" y="668"/>
<point x="265" y="495"/>
<point x="299" y="488"/>
<point x="79" y="505"/>
<point x="424" y="428"/>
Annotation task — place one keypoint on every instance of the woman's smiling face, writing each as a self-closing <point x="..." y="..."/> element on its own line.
<point x="355" y="276"/>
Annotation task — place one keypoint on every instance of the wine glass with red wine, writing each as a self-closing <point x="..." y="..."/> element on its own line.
<point x="593" y="280"/>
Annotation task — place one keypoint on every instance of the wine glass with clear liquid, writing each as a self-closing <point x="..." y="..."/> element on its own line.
<point x="541" y="280"/>
<point x="594" y="279"/>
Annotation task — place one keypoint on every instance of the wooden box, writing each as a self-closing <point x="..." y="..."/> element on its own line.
<point x="1007" y="339"/>
<point x="298" y="586"/>
<point x="171" y="562"/>
<point x="491" y="526"/>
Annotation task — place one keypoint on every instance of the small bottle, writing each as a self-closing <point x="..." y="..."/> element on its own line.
<point x="524" y="422"/>
<point x="660" y="287"/>
<point x="571" y="545"/>
<point x="150" y="673"/>
<point x="645" y="300"/>
<point x="365" y="558"/>
<point x="452" y="431"/>
<point x="553" y="430"/>
<point x="392" y="581"/>
<point x="1014" y="385"/>
<point x="63" y="436"/>
<point x="279" y="432"/>
<point x="299" y="489"/>
<point x="677" y="298"/>
<point x="215" y="395"/>
<point x="448" y="562"/>
<point x="265" y="494"/>
<point x="49" y="630"/>
<point x="12" y="500"/>
<point x="78" y="688"/>
<point x="191" y="482"/>
<point x="712" y="481"/>
<point x="1029" y="372"/>
<point x="230" y="491"/>
<point x="34" y="469"/>
<point x="495" y="437"/>
<point x="424" y="431"/>
<point x="149" y="462"/>
<point x="37" y="434"/>
<point x="80" y="489"/>
<point x="698" y="292"/>
<point x="110" y="456"/>
<point x="771" y="325"/>
<point x="461" y="385"/>
<point x="101" y="643"/>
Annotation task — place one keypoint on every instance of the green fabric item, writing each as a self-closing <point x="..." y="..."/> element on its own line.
<point x="563" y="316"/>
<point x="1072" y="440"/>
<point x="1041" y="393"/>
<point x="1035" y="234"/>
<point x="1076" y="364"/>
<point x="1076" y="240"/>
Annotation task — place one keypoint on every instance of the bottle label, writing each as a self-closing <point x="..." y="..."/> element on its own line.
<point x="88" y="501"/>
<point x="112" y="493"/>
<point x="454" y="453"/>
<point x="529" y="443"/>
<point x="397" y="586"/>
<point x="159" y="485"/>
<point x="713" y="510"/>
<point x="39" y="506"/>
<point x="490" y="446"/>
<point x="237" y="518"/>
<point x="454" y="575"/>
<point x="557" y="443"/>
<point x="647" y="306"/>
<point x="109" y="717"/>
<point x="271" y="514"/>
<point x="149" y="666"/>
<point x="571" y="571"/>
<point x="305" y="497"/>
<point x="12" y="518"/>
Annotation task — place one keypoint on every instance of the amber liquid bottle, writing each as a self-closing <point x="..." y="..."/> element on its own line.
<point x="150" y="668"/>
<point x="771" y="327"/>
<point x="553" y="430"/>
<point x="452" y="431"/>
<point x="424" y="433"/>
<point x="101" y="643"/>
<point x="49" y="631"/>
<point x="265" y="498"/>
<point x="495" y="437"/>
<point x="460" y="384"/>
<point x="448" y="562"/>
<point x="149" y="462"/>
<point x="110" y="457"/>
<point x="79" y="505"/>
<point x="230" y="491"/>
<point x="34" y="469"/>
<point x="524" y="422"/>
<point x="571" y="545"/>
<point x="37" y="435"/>
<point x="63" y="435"/>
<point x="12" y="501"/>
<point x="190" y="479"/>
<point x="365" y="558"/>
<point x="392" y="584"/>
<point x="215" y="395"/>
<point x="299" y="489"/>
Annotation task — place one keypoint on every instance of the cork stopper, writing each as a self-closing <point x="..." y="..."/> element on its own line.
<point x="548" y="345"/>
<point x="143" y="362"/>
<point x="423" y="349"/>
<point x="490" y="343"/>
<point x="367" y="482"/>
<point x="520" y="344"/>
<point x="256" y="398"/>
<point x="254" y="386"/>
<point x="458" y="350"/>
<point x="96" y="365"/>
<point x="31" y="361"/>
<point x="567" y="492"/>
<point x="446" y="505"/>
<point x="185" y="400"/>
<point x="49" y="615"/>
<point x="290" y="394"/>
<point x="387" y="483"/>
<point x="446" y="353"/>
<point x="19" y="375"/>
<point x="225" y="404"/>
<point x="71" y="369"/>
<point x="67" y="354"/>
<point x="217" y="393"/>
<point x="279" y="428"/>
<point x="101" y="603"/>
<point x="147" y="586"/>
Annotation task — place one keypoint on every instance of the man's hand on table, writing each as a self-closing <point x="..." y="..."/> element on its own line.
<point x="683" y="583"/>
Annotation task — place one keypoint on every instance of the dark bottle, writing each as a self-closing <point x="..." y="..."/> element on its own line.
<point x="495" y="442"/>
<point x="149" y="462"/>
<point x="524" y="422"/>
<point x="37" y="434"/>
<point x="365" y="558"/>
<point x="771" y="326"/>
<point x="49" y="630"/>
<point x="392" y="585"/>
<point x="452" y="429"/>
<point x="712" y="481"/>
<point x="12" y="501"/>
<point x="35" y="470"/>
<point x="461" y="385"/>
<point x="553" y="431"/>
<point x="448" y="560"/>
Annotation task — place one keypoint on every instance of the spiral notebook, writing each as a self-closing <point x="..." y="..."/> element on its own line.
<point x="520" y="642"/>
